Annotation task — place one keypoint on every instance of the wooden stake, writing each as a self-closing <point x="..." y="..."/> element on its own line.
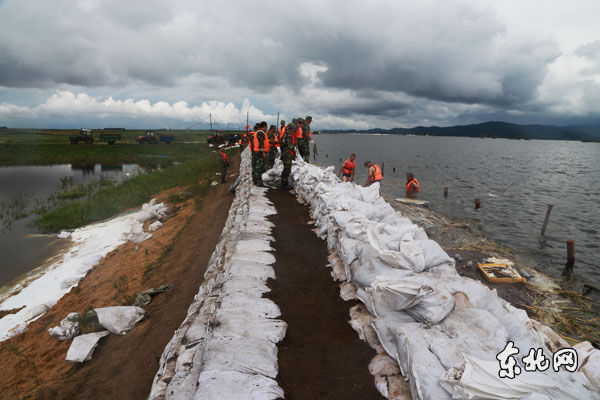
<point x="570" y="253"/>
<point x="445" y="192"/>
<point x="477" y="203"/>
<point x="548" y="211"/>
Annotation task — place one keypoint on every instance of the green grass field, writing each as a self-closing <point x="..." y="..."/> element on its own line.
<point x="183" y="163"/>
<point x="47" y="147"/>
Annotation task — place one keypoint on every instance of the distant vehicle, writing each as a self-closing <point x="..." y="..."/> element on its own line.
<point x="84" y="135"/>
<point x="111" y="138"/>
<point x="150" y="138"/>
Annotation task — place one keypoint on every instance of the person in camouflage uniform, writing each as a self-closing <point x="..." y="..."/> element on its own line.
<point x="273" y="142"/>
<point x="288" y="153"/>
<point x="304" y="143"/>
<point x="258" y="156"/>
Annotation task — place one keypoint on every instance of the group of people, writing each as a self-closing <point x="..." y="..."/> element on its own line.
<point x="265" y="144"/>
<point x="295" y="137"/>
<point x="375" y="175"/>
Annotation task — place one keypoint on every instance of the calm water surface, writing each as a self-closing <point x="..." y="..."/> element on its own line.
<point x="515" y="180"/>
<point x="21" y="248"/>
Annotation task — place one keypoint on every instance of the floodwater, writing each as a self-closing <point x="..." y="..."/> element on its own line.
<point x="22" y="249"/>
<point x="515" y="180"/>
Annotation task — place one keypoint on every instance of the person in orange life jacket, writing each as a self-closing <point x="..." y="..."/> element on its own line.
<point x="375" y="176"/>
<point x="273" y="144"/>
<point x="259" y="145"/>
<point x="224" y="165"/>
<point x="412" y="185"/>
<point x="281" y="130"/>
<point x="348" y="169"/>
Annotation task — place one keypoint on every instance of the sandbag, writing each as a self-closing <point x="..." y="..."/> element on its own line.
<point x="67" y="328"/>
<point x="119" y="319"/>
<point x="83" y="346"/>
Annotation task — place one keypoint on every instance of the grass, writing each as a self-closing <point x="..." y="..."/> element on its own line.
<point x="48" y="147"/>
<point x="109" y="201"/>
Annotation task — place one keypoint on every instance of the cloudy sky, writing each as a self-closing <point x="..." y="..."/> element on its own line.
<point x="348" y="63"/>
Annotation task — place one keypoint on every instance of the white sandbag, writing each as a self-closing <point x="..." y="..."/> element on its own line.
<point x="83" y="346"/>
<point x="479" y="379"/>
<point x="366" y="274"/>
<point x="136" y="233"/>
<point x="589" y="362"/>
<point x="433" y="253"/>
<point x="347" y="291"/>
<point x="382" y="364"/>
<point x="233" y="385"/>
<point x="67" y="328"/>
<point x="154" y="226"/>
<point x="424" y="300"/>
<point x="119" y="319"/>
<point x="418" y="363"/>
<point x="242" y="354"/>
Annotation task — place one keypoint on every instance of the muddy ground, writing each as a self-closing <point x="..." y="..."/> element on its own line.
<point x="321" y="356"/>
<point x="122" y="367"/>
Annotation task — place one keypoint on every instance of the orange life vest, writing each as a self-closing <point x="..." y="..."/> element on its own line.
<point x="299" y="133"/>
<point x="255" y="145"/>
<point x="275" y="139"/>
<point x="409" y="187"/>
<point x="377" y="176"/>
<point x="348" y="167"/>
<point x="281" y="132"/>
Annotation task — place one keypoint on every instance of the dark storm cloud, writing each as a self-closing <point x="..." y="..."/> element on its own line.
<point x="390" y="56"/>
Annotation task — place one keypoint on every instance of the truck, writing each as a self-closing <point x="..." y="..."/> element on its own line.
<point x="84" y="135"/>
<point x="150" y="138"/>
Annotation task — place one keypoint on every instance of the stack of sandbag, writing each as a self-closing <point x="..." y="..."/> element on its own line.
<point x="226" y="347"/>
<point x="443" y="330"/>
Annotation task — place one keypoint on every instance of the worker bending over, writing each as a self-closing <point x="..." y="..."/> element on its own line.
<point x="375" y="176"/>
<point x="348" y="169"/>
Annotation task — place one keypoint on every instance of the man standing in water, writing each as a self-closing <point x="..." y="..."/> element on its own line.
<point x="348" y="169"/>
<point x="375" y="176"/>
<point x="412" y="185"/>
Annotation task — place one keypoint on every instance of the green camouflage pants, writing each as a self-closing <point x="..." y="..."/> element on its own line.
<point x="271" y="158"/>
<point x="304" y="149"/>
<point x="224" y="165"/>
<point x="286" y="158"/>
<point x="258" y="167"/>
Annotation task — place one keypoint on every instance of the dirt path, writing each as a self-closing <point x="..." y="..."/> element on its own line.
<point x="122" y="367"/>
<point x="321" y="357"/>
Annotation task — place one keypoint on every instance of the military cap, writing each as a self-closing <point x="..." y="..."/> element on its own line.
<point x="272" y="127"/>
<point x="283" y="122"/>
<point x="301" y="121"/>
<point x="308" y="118"/>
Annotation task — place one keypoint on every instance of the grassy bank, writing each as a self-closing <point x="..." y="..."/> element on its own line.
<point x="48" y="147"/>
<point x="109" y="201"/>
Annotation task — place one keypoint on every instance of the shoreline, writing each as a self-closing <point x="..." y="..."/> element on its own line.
<point x="543" y="296"/>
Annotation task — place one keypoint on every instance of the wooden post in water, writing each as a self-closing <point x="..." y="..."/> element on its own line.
<point x="382" y="168"/>
<point x="477" y="203"/>
<point x="445" y="192"/>
<point x="548" y="211"/>
<point x="570" y="254"/>
<point x="394" y="169"/>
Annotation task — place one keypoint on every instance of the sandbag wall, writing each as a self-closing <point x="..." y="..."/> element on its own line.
<point x="444" y="330"/>
<point x="226" y="346"/>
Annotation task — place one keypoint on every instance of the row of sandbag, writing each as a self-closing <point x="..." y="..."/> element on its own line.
<point x="444" y="330"/>
<point x="226" y="346"/>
